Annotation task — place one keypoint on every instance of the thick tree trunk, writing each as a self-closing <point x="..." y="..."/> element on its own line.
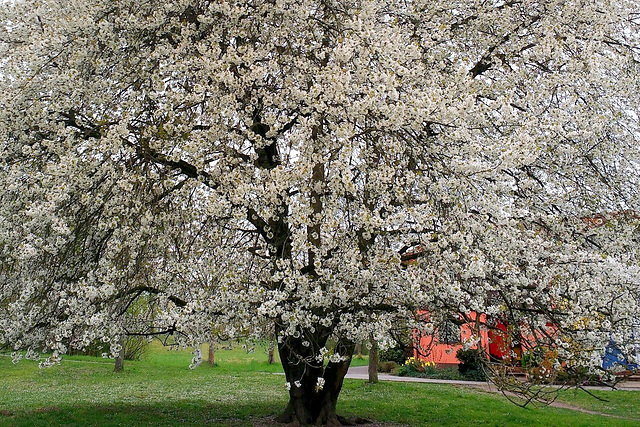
<point x="373" y="362"/>
<point x="212" y="353"/>
<point x="310" y="403"/>
<point x="119" y="365"/>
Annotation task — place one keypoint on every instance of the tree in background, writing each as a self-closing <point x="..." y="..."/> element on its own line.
<point x="119" y="359"/>
<point x="373" y="362"/>
<point x="271" y="351"/>
<point x="212" y="352"/>
<point x="236" y="164"/>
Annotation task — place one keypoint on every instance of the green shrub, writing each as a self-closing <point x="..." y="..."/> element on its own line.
<point x="403" y="371"/>
<point x="387" y="367"/>
<point x="392" y="355"/>
<point x="471" y="364"/>
<point x="134" y="348"/>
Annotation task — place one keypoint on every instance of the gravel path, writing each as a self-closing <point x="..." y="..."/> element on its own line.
<point x="361" y="373"/>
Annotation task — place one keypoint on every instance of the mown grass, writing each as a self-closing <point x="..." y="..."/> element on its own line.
<point x="614" y="402"/>
<point x="243" y="389"/>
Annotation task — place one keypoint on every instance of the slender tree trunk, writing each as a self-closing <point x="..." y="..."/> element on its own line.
<point x="119" y="365"/>
<point x="212" y="352"/>
<point x="272" y="346"/>
<point x="373" y="362"/>
<point x="359" y="350"/>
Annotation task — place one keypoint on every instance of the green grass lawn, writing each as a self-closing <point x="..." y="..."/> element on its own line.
<point x="161" y="390"/>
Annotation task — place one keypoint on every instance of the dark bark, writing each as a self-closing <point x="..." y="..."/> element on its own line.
<point x="308" y="403"/>
<point x="373" y="362"/>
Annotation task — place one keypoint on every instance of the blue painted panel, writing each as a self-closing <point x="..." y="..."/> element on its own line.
<point x="613" y="357"/>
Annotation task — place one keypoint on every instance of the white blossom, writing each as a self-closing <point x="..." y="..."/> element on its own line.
<point x="329" y="169"/>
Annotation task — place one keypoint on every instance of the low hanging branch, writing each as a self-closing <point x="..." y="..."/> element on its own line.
<point x="340" y="169"/>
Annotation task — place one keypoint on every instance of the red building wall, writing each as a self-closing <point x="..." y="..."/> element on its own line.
<point x="491" y="340"/>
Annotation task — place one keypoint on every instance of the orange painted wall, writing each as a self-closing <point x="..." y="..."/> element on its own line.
<point x="445" y="354"/>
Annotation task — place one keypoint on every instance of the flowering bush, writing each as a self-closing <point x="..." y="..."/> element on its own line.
<point x="413" y="367"/>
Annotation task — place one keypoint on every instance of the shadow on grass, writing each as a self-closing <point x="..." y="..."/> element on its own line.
<point x="174" y="413"/>
<point x="398" y="404"/>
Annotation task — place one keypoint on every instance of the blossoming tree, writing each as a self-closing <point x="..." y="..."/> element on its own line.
<point x="186" y="166"/>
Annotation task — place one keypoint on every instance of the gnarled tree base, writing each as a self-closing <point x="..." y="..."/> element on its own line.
<point x="313" y="386"/>
<point x="325" y="419"/>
